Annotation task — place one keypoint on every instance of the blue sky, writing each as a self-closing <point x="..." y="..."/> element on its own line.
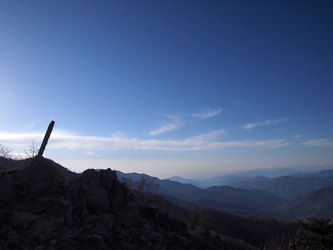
<point x="191" y="88"/>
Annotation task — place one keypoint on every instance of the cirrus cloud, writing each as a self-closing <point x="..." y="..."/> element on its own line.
<point x="322" y="142"/>
<point x="173" y="124"/>
<point x="264" y="123"/>
<point x="207" y="113"/>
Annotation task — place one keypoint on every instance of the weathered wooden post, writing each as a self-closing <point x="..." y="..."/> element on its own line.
<point x="46" y="138"/>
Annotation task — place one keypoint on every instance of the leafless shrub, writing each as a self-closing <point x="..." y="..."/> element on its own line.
<point x="32" y="151"/>
<point x="4" y="151"/>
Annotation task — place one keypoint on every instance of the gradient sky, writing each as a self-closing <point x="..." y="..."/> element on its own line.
<point x="191" y="88"/>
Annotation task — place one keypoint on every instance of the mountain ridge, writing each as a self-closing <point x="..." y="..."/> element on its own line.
<point x="318" y="203"/>
<point x="230" y="199"/>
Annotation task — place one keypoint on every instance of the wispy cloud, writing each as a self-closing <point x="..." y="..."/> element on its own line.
<point x="93" y="154"/>
<point x="323" y="142"/>
<point x="206" y="141"/>
<point x="264" y="123"/>
<point x="173" y="124"/>
<point x="207" y="113"/>
<point x="211" y="135"/>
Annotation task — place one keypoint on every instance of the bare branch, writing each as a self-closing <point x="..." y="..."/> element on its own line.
<point x="32" y="152"/>
<point x="4" y="151"/>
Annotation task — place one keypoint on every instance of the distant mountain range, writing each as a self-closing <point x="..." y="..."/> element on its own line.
<point x="289" y="186"/>
<point x="250" y="195"/>
<point x="226" y="198"/>
<point x="229" y="179"/>
<point x="293" y="196"/>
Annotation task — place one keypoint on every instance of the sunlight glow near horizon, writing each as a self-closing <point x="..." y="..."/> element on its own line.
<point x="132" y="155"/>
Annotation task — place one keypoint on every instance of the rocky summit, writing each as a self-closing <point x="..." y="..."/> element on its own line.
<point x="39" y="209"/>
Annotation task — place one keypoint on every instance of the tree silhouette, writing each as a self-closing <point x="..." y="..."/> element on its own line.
<point x="317" y="233"/>
<point x="33" y="150"/>
<point x="4" y="156"/>
<point x="4" y="151"/>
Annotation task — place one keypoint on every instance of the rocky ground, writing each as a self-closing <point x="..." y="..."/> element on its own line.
<point x="39" y="209"/>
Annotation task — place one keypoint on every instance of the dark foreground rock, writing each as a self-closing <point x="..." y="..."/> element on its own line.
<point x="39" y="209"/>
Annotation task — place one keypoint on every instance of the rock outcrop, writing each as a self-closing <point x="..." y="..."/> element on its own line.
<point x="39" y="209"/>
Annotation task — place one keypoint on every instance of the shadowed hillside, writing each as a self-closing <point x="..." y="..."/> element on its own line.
<point x="7" y="164"/>
<point x="317" y="204"/>
<point x="39" y="209"/>
<point x="258" y="231"/>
